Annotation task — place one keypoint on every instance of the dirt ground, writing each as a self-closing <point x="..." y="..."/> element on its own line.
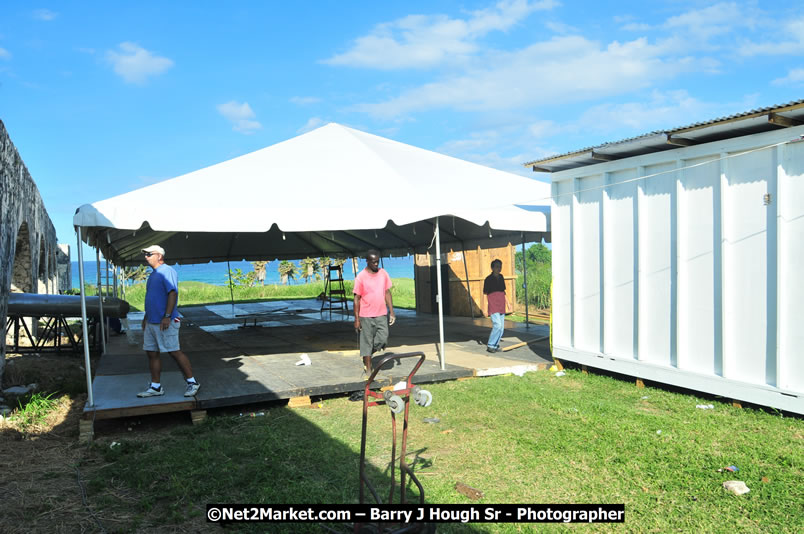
<point x="44" y="467"/>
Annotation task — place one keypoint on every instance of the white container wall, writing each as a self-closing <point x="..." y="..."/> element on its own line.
<point x="686" y="267"/>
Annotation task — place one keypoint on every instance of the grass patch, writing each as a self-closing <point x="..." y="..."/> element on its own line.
<point x="198" y="293"/>
<point x="33" y="409"/>
<point x="580" y="438"/>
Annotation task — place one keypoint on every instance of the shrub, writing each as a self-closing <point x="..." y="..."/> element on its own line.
<point x="539" y="263"/>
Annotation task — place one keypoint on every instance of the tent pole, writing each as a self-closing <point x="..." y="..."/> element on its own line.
<point x="440" y="303"/>
<point x="115" y="277"/>
<point x="525" y="281"/>
<point x="231" y="286"/>
<point x="106" y="289"/>
<point x="468" y="289"/>
<point x="100" y="302"/>
<point x="84" y="318"/>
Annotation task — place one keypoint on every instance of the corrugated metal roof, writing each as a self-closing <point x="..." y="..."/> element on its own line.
<point x="746" y="123"/>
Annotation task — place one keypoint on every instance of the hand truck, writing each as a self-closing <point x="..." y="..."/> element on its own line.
<point x="398" y="401"/>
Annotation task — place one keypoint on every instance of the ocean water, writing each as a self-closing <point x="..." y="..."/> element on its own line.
<point x="217" y="274"/>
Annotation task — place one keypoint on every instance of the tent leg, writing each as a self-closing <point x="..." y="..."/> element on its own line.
<point x="440" y="302"/>
<point x="231" y="287"/>
<point x="525" y="281"/>
<point x="90" y="397"/>
<point x="106" y="289"/>
<point x="115" y="276"/>
<point x="100" y="303"/>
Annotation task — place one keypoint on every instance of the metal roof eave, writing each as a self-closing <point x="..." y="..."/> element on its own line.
<point x="747" y="123"/>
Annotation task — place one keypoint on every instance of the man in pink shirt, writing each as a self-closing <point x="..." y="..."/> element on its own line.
<point x="372" y="304"/>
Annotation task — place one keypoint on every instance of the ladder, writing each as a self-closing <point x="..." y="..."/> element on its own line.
<point x="334" y="291"/>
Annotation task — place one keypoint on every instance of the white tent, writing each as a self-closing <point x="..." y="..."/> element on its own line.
<point x="334" y="191"/>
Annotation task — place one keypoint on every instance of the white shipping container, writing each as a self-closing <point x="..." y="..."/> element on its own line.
<point x="686" y="267"/>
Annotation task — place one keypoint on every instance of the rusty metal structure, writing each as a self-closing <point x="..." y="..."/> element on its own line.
<point x="53" y="311"/>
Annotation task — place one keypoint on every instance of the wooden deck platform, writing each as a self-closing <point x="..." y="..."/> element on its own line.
<point x="238" y="364"/>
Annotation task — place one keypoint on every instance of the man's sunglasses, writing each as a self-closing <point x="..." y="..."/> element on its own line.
<point x="149" y="254"/>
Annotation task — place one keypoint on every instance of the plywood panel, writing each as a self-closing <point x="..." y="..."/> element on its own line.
<point x="655" y="217"/>
<point x="586" y="263"/>
<point x="791" y="266"/>
<point x="619" y="264"/>
<point x="560" y="214"/>
<point x="745" y="267"/>
<point x="465" y="298"/>
<point x="421" y="276"/>
<point x="696" y="264"/>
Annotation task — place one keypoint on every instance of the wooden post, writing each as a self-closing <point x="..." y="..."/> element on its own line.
<point x="299" y="402"/>
<point x="198" y="416"/>
<point x="639" y="383"/>
<point x="468" y="283"/>
<point x="86" y="430"/>
<point x="558" y="364"/>
<point x="584" y="370"/>
<point x="736" y="403"/>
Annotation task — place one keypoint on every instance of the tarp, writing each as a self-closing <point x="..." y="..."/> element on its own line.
<point x="334" y="191"/>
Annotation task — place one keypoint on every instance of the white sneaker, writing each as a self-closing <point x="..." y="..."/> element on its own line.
<point x="192" y="389"/>
<point x="152" y="392"/>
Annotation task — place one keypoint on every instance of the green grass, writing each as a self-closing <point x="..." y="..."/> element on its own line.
<point x="198" y="293"/>
<point x="580" y="438"/>
<point x="33" y="410"/>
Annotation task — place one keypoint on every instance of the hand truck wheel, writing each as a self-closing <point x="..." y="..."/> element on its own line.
<point x="395" y="403"/>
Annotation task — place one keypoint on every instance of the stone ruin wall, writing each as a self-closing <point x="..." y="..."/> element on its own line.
<point x="31" y="261"/>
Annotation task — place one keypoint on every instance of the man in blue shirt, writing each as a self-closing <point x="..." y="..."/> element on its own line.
<point x="160" y="326"/>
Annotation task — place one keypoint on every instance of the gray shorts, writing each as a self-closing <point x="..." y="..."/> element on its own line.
<point x="373" y="334"/>
<point x="154" y="339"/>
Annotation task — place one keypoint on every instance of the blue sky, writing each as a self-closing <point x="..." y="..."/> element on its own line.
<point x="101" y="98"/>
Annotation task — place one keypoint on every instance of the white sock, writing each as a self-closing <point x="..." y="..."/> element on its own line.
<point x="156" y="385"/>
<point x="191" y="380"/>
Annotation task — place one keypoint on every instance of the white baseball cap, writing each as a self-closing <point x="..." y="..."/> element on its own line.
<point x="155" y="248"/>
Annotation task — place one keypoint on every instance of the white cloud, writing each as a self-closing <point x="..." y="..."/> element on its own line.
<point x="543" y="129"/>
<point x="241" y="116"/>
<point x="527" y="139"/>
<point x="477" y="141"/>
<point x="135" y="64"/>
<point x="697" y="29"/>
<point x="636" y="27"/>
<point x="794" y="77"/>
<point x="713" y="20"/>
<point x="4" y="54"/>
<point x="305" y="100"/>
<point x="44" y="14"/>
<point x="561" y="70"/>
<point x="664" y="110"/>
<point x="561" y="28"/>
<point x="792" y="41"/>
<point x="425" y="41"/>
<point x="311" y="124"/>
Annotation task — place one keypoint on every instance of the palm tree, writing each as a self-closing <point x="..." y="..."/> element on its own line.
<point x="135" y="274"/>
<point x="287" y="271"/>
<point x="259" y="270"/>
<point x="326" y="262"/>
<point x="309" y="268"/>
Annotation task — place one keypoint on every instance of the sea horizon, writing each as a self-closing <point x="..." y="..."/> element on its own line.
<point x="216" y="273"/>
